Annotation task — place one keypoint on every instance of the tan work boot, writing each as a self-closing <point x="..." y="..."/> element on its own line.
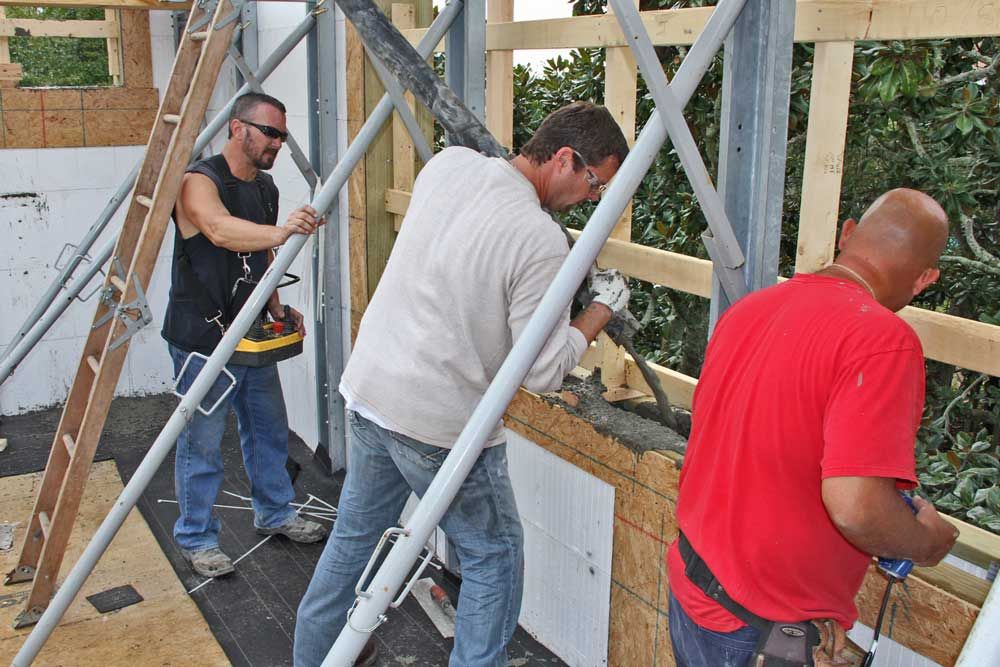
<point x="209" y="562"/>
<point x="298" y="529"/>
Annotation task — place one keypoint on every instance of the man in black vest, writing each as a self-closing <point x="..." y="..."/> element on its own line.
<point x="226" y="218"/>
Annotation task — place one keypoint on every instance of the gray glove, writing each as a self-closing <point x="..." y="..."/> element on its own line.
<point x="608" y="286"/>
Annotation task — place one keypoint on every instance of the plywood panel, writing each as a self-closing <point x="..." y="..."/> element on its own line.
<point x="118" y="127"/>
<point x="120" y="98"/>
<point x="137" y="59"/>
<point x="63" y="128"/>
<point x="928" y="620"/>
<point x="633" y="630"/>
<point x="23" y="129"/>
<point x="133" y="635"/>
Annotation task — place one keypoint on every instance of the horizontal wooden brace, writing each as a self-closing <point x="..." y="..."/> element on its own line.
<point x="113" y="4"/>
<point x="815" y="21"/>
<point x="54" y="28"/>
<point x="946" y="338"/>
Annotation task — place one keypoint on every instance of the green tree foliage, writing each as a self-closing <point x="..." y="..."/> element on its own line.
<point x="924" y="114"/>
<point x="60" y="61"/>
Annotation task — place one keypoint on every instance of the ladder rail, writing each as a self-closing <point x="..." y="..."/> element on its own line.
<point x="83" y="419"/>
<point x="165" y="440"/>
<point x="45" y="313"/>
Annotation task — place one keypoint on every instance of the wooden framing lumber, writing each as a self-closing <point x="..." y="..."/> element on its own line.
<point x="815" y="21"/>
<point x="946" y="338"/>
<point x="116" y="4"/>
<point x="826" y="135"/>
<point x="4" y="43"/>
<point x="105" y="29"/>
<point x="403" y="153"/>
<point x="619" y="97"/>
<point x="500" y="79"/>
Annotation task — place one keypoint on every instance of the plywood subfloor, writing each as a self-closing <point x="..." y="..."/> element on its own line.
<point x="166" y="628"/>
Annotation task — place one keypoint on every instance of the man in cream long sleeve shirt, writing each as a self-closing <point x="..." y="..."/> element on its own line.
<point x="473" y="258"/>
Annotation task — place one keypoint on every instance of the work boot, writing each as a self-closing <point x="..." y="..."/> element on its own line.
<point x="209" y="562"/>
<point x="368" y="654"/>
<point x="297" y="529"/>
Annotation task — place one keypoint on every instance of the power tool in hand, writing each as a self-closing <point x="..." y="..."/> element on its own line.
<point x="268" y="342"/>
<point x="896" y="569"/>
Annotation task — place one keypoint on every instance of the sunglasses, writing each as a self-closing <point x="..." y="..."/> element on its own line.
<point x="267" y="130"/>
<point x="593" y="181"/>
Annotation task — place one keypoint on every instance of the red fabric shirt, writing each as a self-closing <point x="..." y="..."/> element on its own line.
<point x="802" y="381"/>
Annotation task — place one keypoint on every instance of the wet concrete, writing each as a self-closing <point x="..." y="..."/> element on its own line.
<point x="633" y="430"/>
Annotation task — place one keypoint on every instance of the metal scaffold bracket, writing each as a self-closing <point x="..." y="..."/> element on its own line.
<point x="135" y="314"/>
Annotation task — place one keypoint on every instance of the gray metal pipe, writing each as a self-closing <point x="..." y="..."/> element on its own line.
<point x="36" y="326"/>
<point x="213" y="367"/>
<point x="370" y="608"/>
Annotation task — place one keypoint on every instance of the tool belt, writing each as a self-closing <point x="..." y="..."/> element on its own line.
<point x="811" y="643"/>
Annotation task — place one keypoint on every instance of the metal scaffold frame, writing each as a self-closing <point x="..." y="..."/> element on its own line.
<point x="214" y="366"/>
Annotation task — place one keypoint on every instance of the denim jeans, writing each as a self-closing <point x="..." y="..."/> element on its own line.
<point x="263" y="426"/>
<point x="695" y="646"/>
<point x="483" y="523"/>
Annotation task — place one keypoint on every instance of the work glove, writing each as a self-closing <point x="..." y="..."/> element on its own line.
<point x="608" y="286"/>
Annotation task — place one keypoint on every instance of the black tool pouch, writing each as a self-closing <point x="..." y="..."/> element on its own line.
<point x="786" y="645"/>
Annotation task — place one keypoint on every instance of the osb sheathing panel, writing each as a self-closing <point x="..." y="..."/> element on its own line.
<point x="127" y="127"/>
<point x="927" y="619"/>
<point x="924" y="618"/>
<point x="69" y="117"/>
<point x="135" y="635"/>
<point x="137" y="61"/>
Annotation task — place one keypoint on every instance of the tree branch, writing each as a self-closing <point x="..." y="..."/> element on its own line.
<point x="972" y="264"/>
<point x="978" y="251"/>
<point x="973" y="74"/>
<point x="911" y="130"/>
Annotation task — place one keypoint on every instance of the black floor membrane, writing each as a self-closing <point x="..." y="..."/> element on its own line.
<point x="251" y="612"/>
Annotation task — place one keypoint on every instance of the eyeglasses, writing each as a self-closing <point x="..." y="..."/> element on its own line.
<point x="267" y="130"/>
<point x="593" y="181"/>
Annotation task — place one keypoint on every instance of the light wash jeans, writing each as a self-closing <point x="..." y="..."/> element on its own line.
<point x="483" y="523"/>
<point x="263" y="426"/>
<point x="695" y="646"/>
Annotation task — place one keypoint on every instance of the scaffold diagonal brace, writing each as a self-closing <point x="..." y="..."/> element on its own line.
<point x="727" y="257"/>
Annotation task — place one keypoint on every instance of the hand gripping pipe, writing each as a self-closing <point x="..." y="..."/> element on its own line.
<point x="36" y="326"/>
<point x="206" y="378"/>
<point x="369" y="609"/>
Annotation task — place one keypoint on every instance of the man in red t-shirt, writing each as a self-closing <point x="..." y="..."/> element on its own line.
<point x="803" y="430"/>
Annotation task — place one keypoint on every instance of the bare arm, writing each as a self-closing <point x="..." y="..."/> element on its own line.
<point x="869" y="513"/>
<point x="199" y="210"/>
<point x="592" y="320"/>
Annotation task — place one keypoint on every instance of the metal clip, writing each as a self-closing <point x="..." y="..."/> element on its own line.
<point x="180" y="374"/>
<point x="382" y="618"/>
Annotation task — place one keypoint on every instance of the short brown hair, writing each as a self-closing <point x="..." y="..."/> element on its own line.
<point x="587" y="128"/>
<point x="247" y="102"/>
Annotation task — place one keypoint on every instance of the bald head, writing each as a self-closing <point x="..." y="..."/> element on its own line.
<point x="897" y="244"/>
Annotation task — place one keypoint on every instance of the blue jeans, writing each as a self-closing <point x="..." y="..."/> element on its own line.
<point x="263" y="426"/>
<point x="482" y="521"/>
<point x="695" y="646"/>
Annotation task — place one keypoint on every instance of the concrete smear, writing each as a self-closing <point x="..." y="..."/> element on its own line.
<point x="637" y="433"/>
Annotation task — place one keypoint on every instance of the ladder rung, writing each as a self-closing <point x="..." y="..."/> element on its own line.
<point x="199" y="36"/>
<point x="118" y="283"/>
<point x="43" y="519"/>
<point x="94" y="364"/>
<point x="144" y="200"/>
<point x="69" y="443"/>
<point x="171" y="118"/>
